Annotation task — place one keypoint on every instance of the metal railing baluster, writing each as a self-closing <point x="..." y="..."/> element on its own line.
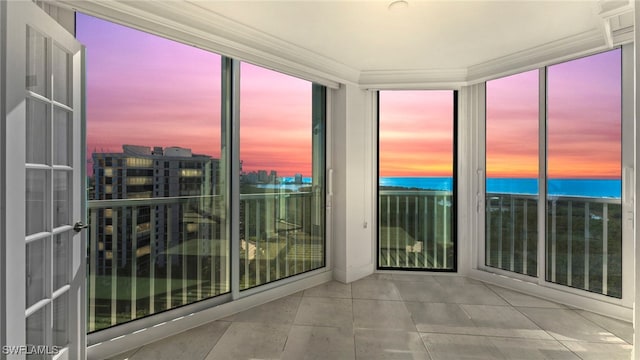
<point x="93" y="267"/>
<point x="500" y="231"/>
<point x="525" y="237"/>
<point x="415" y="228"/>
<point x="553" y="241"/>
<point x="488" y="238"/>
<point x="388" y="230"/>
<point x="512" y="245"/>
<point x="246" y="244"/>
<point x="397" y="231"/>
<point x="152" y="261"/>
<point x="445" y="229"/>
<point x="605" y="248"/>
<point x="435" y="231"/>
<point x="406" y="226"/>
<point x="134" y="260"/>
<point x="587" y="235"/>
<point x="425" y="245"/>
<point x="258" y="252"/>
<point x="114" y="267"/>
<point x="569" y="243"/>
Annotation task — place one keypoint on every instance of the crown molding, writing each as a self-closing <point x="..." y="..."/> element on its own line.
<point x="617" y="21"/>
<point x="425" y="79"/>
<point x="553" y="52"/>
<point x="190" y="23"/>
<point x="208" y="30"/>
<point x="612" y="8"/>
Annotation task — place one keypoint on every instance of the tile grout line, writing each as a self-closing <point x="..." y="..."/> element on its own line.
<point x="545" y="330"/>
<point x="217" y="341"/>
<point x="577" y="311"/>
<point x="417" y="331"/>
<point x="353" y="325"/>
<point x="293" y="322"/>
<point x="135" y="352"/>
<point x="530" y="319"/>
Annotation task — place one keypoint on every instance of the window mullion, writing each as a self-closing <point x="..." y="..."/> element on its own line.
<point x="542" y="175"/>
<point x="231" y="121"/>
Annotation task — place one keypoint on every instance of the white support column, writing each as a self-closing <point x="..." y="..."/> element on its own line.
<point x="470" y="201"/>
<point x="354" y="180"/>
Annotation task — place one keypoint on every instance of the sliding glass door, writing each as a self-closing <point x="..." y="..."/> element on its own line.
<point x="416" y="190"/>
<point x="580" y="166"/>
<point x="158" y="188"/>
<point x="511" y="219"/>
<point x="162" y="226"/>
<point x="584" y="185"/>
<point x="281" y="177"/>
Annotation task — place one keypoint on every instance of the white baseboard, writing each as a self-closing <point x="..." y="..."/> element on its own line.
<point x="353" y="273"/>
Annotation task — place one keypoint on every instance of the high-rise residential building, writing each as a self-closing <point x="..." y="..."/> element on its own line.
<point x="154" y="174"/>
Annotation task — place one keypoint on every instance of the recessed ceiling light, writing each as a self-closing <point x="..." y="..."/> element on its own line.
<point x="398" y="5"/>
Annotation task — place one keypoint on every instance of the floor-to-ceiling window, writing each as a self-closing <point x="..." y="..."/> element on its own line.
<point x="157" y="184"/>
<point x="581" y="169"/>
<point x="416" y="202"/>
<point x="584" y="147"/>
<point x="161" y="121"/>
<point x="511" y="219"/>
<point x="282" y="176"/>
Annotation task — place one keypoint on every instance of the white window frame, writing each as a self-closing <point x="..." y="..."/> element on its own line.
<point x="619" y="308"/>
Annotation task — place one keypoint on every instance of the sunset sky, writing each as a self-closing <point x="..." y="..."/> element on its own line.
<point x="584" y="117"/>
<point x="416" y="133"/>
<point x="583" y="121"/>
<point x="146" y="90"/>
<point x="512" y="126"/>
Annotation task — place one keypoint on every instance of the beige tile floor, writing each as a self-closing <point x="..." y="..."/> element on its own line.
<point x="394" y="316"/>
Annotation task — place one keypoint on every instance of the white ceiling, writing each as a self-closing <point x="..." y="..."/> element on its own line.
<point x="366" y="35"/>
<point x="429" y="44"/>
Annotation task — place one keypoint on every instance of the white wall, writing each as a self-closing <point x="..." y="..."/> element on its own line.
<point x="354" y="176"/>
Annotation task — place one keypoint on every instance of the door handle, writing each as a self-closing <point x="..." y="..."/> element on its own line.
<point x="78" y="226"/>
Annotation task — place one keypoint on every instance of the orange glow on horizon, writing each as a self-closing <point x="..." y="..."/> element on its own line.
<point x="583" y="121"/>
<point x="416" y="134"/>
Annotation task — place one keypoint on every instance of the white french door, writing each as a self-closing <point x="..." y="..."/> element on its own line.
<point x="43" y="260"/>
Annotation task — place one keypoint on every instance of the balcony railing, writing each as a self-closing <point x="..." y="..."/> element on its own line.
<point x="281" y="234"/>
<point x="583" y="246"/>
<point x="148" y="255"/>
<point x="415" y="229"/>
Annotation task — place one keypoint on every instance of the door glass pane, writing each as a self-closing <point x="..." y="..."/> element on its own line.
<point x="37" y="209"/>
<point x="61" y="198"/>
<point x="61" y="75"/>
<point x="61" y="320"/>
<point x="416" y="164"/>
<point x="36" y="260"/>
<point x="61" y="260"/>
<point x="584" y="210"/>
<point x="281" y="181"/>
<point x="36" y="327"/>
<point x="38" y="130"/>
<point x="154" y="143"/>
<point x="62" y="125"/>
<point x="36" y="80"/>
<point x="511" y="222"/>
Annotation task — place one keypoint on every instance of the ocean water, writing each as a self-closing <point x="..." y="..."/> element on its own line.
<point x="563" y="187"/>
